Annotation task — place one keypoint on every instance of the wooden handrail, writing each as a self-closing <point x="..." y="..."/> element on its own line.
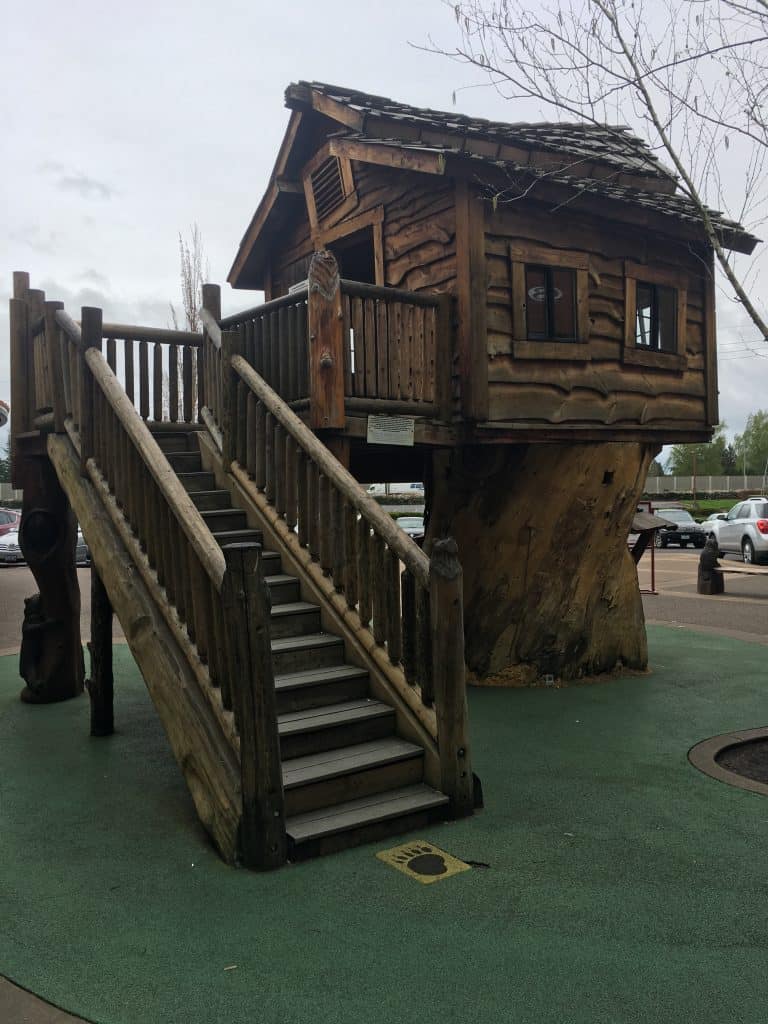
<point x="70" y="327"/>
<point x="361" y="290"/>
<point x="409" y="554"/>
<point x="209" y="554"/>
<point x="292" y="299"/>
<point x="166" y="336"/>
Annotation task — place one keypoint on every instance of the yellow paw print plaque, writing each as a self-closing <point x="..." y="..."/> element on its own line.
<point x="423" y="861"/>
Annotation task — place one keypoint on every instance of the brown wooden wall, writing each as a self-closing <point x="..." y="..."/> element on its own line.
<point x="602" y="390"/>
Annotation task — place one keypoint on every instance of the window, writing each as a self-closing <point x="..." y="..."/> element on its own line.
<point x="655" y="315"/>
<point x="550" y="303"/>
<point x="550" y="300"/>
<point x="329" y="188"/>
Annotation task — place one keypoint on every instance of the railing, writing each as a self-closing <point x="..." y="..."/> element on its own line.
<point x="411" y="605"/>
<point x="338" y="346"/>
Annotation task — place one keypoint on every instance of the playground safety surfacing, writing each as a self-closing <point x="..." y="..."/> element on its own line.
<point x="621" y="883"/>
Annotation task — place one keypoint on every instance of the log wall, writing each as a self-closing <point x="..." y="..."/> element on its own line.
<point x="601" y="389"/>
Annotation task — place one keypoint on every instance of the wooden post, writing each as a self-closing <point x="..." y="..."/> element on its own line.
<point x="56" y="382"/>
<point x="444" y="352"/>
<point x="212" y="303"/>
<point x="35" y="299"/>
<point x="447" y="618"/>
<point x="246" y="606"/>
<point x="326" y="343"/>
<point x="90" y="328"/>
<point x="101" y="683"/>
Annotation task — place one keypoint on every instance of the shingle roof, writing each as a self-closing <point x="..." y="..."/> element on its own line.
<point x="674" y="205"/>
<point x="612" y="144"/>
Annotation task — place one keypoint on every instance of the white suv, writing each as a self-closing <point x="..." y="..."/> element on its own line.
<point x="744" y="530"/>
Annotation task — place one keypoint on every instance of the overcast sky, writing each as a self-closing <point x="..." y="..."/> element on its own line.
<point x="125" y="124"/>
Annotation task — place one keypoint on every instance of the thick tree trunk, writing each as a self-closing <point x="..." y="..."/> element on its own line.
<point x="550" y="587"/>
<point x="51" y="660"/>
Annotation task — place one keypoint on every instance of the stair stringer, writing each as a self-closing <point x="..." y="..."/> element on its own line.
<point x="199" y="732"/>
<point x="415" y="722"/>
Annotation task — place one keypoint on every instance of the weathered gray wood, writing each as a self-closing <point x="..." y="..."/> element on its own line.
<point x="101" y="683"/>
<point x="246" y="600"/>
<point x="447" y="618"/>
<point x="326" y="343"/>
<point x="162" y="335"/>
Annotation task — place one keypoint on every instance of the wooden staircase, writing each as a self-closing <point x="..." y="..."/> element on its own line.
<point x="348" y="777"/>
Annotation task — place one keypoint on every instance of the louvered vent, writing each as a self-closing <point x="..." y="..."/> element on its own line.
<point x="327" y="187"/>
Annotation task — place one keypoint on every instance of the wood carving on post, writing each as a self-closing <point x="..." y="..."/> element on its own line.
<point x="326" y="342"/>
<point x="51" y="661"/>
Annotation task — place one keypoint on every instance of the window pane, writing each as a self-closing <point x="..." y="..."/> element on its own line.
<point x="644" y="319"/>
<point x="667" y="300"/>
<point x="536" y="302"/>
<point x="563" y="304"/>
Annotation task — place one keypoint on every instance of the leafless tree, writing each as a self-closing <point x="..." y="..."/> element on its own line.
<point x="691" y="76"/>
<point x="193" y="271"/>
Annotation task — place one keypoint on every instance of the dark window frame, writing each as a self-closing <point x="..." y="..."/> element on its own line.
<point x="639" y="274"/>
<point x="523" y="255"/>
<point x="549" y="305"/>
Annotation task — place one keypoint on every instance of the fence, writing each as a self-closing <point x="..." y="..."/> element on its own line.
<point x="704" y="484"/>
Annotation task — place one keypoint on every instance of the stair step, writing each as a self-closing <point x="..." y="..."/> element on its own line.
<point x="237" y="537"/>
<point x="225" y="519"/>
<point x="197" y="481"/>
<point x="315" y="687"/>
<point x="185" y="462"/>
<point x="295" y="618"/>
<point x="348" y="773"/>
<point x="328" y="829"/>
<point x="176" y="442"/>
<point x="209" y="500"/>
<point x="299" y="653"/>
<point x="283" y="589"/>
<point x="334" y="725"/>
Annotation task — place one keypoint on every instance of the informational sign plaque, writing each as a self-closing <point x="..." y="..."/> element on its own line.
<point x="391" y="430"/>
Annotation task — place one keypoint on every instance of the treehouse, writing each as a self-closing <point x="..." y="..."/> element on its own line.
<point x="537" y="303"/>
<point x="519" y="315"/>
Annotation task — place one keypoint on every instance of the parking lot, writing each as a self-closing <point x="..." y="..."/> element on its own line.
<point x="742" y="612"/>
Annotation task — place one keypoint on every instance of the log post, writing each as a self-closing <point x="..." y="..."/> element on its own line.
<point x="447" y="619"/>
<point x="246" y="606"/>
<point x="90" y="328"/>
<point x="211" y="303"/>
<point x="56" y="374"/>
<point x="326" y="342"/>
<point x="35" y="299"/>
<point x="101" y="683"/>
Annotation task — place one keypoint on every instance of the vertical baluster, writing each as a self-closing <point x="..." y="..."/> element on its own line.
<point x="291" y="383"/>
<point x="326" y="536"/>
<point x="279" y="469"/>
<point x="266" y="351"/>
<point x="144" y="380"/>
<point x="382" y="349"/>
<point x="157" y="381"/>
<point x="406" y="361"/>
<point x="260" y="467"/>
<point x="430" y="328"/>
<point x="250" y="433"/>
<point x="241" y="453"/>
<point x="221" y="649"/>
<point x="337" y="538"/>
<point x="275" y="344"/>
<point x="423" y="673"/>
<point x="282" y="352"/>
<point x="364" y="570"/>
<point x="291" y="467"/>
<point x="394" y="621"/>
<point x="269" y="458"/>
<point x="302" y="494"/>
<point x="359" y="331"/>
<point x="395" y="338"/>
<point x="303" y="349"/>
<point x="189" y="394"/>
<point x="408" y="599"/>
<point x="65" y="345"/>
<point x="417" y="344"/>
<point x="173" y="383"/>
<point x="112" y="355"/>
<point x="197" y="603"/>
<point x="313" y="487"/>
<point x="129" y="371"/>
<point x="369" y="316"/>
<point x="350" y="554"/>
<point x="258" y="346"/>
<point x="347" y="349"/>
<point x="379" y="585"/>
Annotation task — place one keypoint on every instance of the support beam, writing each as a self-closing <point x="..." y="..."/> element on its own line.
<point x="101" y="683"/>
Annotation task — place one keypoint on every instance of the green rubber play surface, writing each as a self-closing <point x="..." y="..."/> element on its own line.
<point x="622" y="885"/>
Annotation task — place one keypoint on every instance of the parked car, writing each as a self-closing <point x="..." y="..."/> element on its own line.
<point x="9" y="520"/>
<point x="743" y="530"/>
<point x="412" y="525"/>
<point x="685" y="530"/>
<point x="11" y="553"/>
